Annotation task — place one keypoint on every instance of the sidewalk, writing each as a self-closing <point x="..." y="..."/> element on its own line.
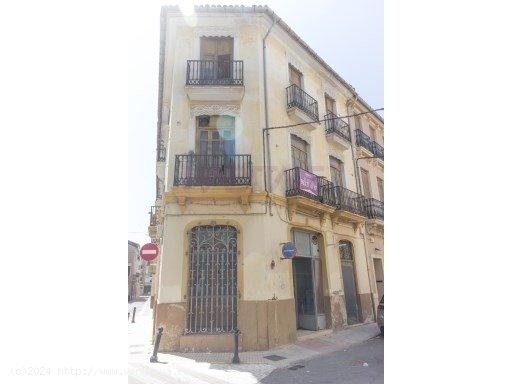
<point x="300" y="350"/>
<point x="216" y="368"/>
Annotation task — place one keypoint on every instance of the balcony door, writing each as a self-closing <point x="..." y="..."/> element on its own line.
<point x="215" y="143"/>
<point x="299" y="153"/>
<point x="330" y="105"/>
<point x="217" y="54"/>
<point x="366" y="183"/>
<point x="295" y="77"/>
<point x="337" y="176"/>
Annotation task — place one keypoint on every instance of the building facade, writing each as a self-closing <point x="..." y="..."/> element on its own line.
<point x="230" y="193"/>
<point x="135" y="271"/>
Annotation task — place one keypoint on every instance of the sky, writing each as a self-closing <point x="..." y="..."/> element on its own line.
<point x="348" y="35"/>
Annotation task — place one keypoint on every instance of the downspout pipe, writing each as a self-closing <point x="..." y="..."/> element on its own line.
<point x="266" y="143"/>
<point x="360" y="191"/>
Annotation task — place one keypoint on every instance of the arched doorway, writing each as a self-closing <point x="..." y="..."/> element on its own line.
<point x="349" y="281"/>
<point x="212" y="279"/>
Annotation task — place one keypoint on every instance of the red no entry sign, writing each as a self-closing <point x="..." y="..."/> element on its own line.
<point x="149" y="251"/>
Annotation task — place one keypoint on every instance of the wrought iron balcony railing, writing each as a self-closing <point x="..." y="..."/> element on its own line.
<point x="334" y="124"/>
<point x="300" y="182"/>
<point x="378" y="150"/>
<point x="363" y="140"/>
<point x="152" y="215"/>
<point x="374" y="208"/>
<point x="347" y="200"/>
<point x="214" y="72"/>
<point x="211" y="170"/>
<point x="296" y="97"/>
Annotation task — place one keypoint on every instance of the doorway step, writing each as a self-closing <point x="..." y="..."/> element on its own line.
<point x="304" y="334"/>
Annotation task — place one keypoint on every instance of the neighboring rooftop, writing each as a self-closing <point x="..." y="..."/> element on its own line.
<point x="273" y="16"/>
<point x="133" y="244"/>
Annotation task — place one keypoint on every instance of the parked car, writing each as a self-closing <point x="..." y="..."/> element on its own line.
<point x="380" y="315"/>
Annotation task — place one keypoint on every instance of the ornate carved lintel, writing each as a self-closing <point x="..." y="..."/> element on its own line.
<point x="214" y="109"/>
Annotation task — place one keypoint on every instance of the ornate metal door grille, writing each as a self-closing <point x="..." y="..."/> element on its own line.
<point x="212" y="283"/>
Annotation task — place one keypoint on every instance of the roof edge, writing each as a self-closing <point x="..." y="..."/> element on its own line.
<point x="272" y="15"/>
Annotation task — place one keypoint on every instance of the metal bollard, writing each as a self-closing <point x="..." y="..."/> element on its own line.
<point x="133" y="316"/>
<point x="154" y="358"/>
<point x="128" y="316"/>
<point x="236" y="358"/>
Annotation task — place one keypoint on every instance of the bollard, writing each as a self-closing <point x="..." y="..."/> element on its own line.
<point x="128" y="316"/>
<point x="236" y="358"/>
<point x="154" y="358"/>
<point x="133" y="316"/>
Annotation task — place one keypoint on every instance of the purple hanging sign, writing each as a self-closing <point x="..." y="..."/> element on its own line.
<point x="308" y="182"/>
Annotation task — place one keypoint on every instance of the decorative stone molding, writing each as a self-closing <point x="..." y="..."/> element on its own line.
<point x="374" y="229"/>
<point x="301" y="133"/>
<point x="211" y="109"/>
<point x="296" y="63"/>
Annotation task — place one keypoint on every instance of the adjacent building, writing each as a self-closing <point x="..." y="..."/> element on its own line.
<point x="135" y="271"/>
<point x="230" y="192"/>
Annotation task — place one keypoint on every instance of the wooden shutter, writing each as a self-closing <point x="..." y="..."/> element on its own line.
<point x="336" y="172"/>
<point x="295" y="77"/>
<point x="329" y="104"/>
<point x="299" y="153"/>
<point x="366" y="183"/>
<point x="380" y="183"/>
<point x="213" y="47"/>
<point x="208" y="48"/>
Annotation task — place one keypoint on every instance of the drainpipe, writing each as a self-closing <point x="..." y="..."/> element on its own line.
<point x="359" y="190"/>
<point x="266" y="143"/>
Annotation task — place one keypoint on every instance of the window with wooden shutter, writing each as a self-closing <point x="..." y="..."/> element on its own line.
<point x="357" y="120"/>
<point x="366" y="183"/>
<point x="380" y="184"/>
<point x="330" y="105"/>
<point x="372" y="133"/>
<point x="295" y="77"/>
<point x="299" y="153"/>
<point x="337" y="173"/>
<point x="216" y="48"/>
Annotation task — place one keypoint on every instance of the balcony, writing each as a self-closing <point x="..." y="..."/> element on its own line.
<point x="378" y="150"/>
<point x="337" y="131"/>
<point x="350" y="201"/>
<point x="152" y="216"/>
<point x="364" y="141"/>
<point x="212" y="170"/>
<point x="300" y="182"/>
<point x="211" y="177"/>
<point x="213" y="80"/>
<point x="374" y="209"/>
<point x="301" y="106"/>
<point x="310" y="192"/>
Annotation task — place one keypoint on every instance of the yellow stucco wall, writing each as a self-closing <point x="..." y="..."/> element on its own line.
<point x="261" y="233"/>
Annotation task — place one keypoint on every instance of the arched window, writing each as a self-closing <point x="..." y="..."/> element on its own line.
<point x="212" y="279"/>
<point x="346" y="251"/>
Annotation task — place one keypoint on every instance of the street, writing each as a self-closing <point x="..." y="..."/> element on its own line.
<point x="363" y="363"/>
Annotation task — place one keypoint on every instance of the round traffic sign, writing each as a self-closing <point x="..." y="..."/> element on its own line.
<point x="149" y="252"/>
<point x="289" y="250"/>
